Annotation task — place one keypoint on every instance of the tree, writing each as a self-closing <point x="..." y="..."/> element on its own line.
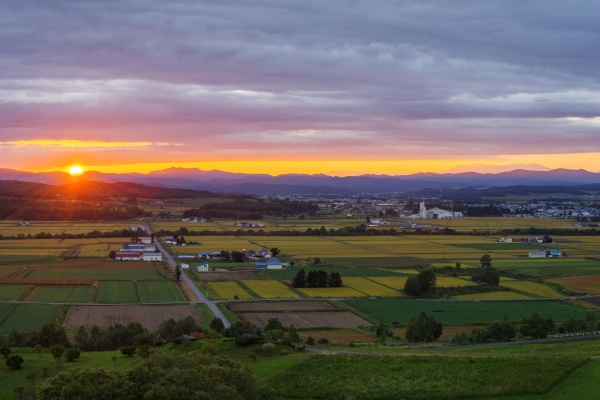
<point x="486" y="260"/>
<point x="412" y="287"/>
<point x="177" y="272"/>
<point x="72" y="354"/>
<point x="423" y="328"/>
<point x="501" y="331"/>
<point x="112" y="254"/>
<point x="322" y="278"/>
<point x="83" y="339"/>
<point x="14" y="362"/>
<point x="316" y="261"/>
<point x="57" y="352"/>
<point x="547" y="239"/>
<point x="487" y="275"/>
<point x="275" y="251"/>
<point x="5" y="351"/>
<point x="299" y="280"/>
<point x="312" y="279"/>
<point x="536" y="326"/>
<point x="292" y="335"/>
<point x="335" y="280"/>
<point x="273" y="324"/>
<point x="128" y="351"/>
<point x="427" y="281"/>
<point x="217" y="325"/>
<point x="237" y="256"/>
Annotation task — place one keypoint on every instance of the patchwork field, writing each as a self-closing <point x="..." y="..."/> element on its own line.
<point x="537" y="289"/>
<point x="117" y="292"/>
<point x="10" y="228"/>
<point x="226" y="276"/>
<point x="12" y="292"/>
<point x="504" y="295"/>
<point x="70" y="294"/>
<point x="334" y="292"/>
<point x="281" y="306"/>
<point x="581" y="284"/>
<point x="465" y="312"/>
<point x="158" y="292"/>
<point x="229" y="290"/>
<point x="25" y="317"/>
<point x="302" y="320"/>
<point x="370" y="288"/>
<point x="269" y="289"/>
<point x="149" y="316"/>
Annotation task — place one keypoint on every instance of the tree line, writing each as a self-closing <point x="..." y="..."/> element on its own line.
<point x="316" y="279"/>
<point x="252" y="209"/>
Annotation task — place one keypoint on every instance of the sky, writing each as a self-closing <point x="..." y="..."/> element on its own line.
<point x="277" y="86"/>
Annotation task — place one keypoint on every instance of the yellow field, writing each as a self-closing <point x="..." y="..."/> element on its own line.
<point x="450" y="281"/>
<point x="491" y="296"/>
<point x="532" y="287"/>
<point x="335" y="292"/>
<point x="395" y="282"/>
<point x="310" y="247"/>
<point x="370" y="288"/>
<point x="584" y="284"/>
<point x="269" y="289"/>
<point x="228" y="290"/>
<point x="10" y="228"/>
<point x="213" y="243"/>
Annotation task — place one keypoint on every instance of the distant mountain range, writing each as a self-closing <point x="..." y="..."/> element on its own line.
<point x="289" y="184"/>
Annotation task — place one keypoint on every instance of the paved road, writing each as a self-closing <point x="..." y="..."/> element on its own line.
<point x="212" y="305"/>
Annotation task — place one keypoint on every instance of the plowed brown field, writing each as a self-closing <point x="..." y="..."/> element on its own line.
<point x="307" y="319"/>
<point x="149" y="316"/>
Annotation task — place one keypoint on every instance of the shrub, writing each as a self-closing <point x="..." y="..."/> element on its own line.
<point x="14" y="361"/>
<point x="72" y="354"/>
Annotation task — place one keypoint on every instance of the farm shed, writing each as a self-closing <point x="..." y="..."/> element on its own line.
<point x="127" y="256"/>
<point x="152" y="257"/>
<point x="203" y="267"/>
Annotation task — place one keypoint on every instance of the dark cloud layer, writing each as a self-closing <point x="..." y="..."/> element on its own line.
<point x="376" y="77"/>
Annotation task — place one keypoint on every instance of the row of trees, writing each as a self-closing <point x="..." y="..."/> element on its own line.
<point x="252" y="209"/>
<point x="316" y="279"/>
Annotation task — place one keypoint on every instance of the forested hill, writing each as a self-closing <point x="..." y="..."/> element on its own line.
<point x="98" y="191"/>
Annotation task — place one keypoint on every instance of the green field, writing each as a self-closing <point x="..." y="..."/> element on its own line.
<point x="157" y="292"/>
<point x="411" y="377"/>
<point x="26" y="317"/>
<point x="465" y="312"/>
<point x="97" y="273"/>
<point x="551" y="267"/>
<point x="12" y="292"/>
<point x="117" y="292"/>
<point x="64" y="294"/>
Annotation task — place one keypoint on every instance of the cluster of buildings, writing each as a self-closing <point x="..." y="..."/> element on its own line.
<point x="143" y="250"/>
<point x="543" y="253"/>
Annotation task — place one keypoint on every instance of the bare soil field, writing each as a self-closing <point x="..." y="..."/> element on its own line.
<point x="227" y="276"/>
<point x="306" y="319"/>
<point x="149" y="316"/>
<point x="281" y="306"/>
<point x="594" y="300"/>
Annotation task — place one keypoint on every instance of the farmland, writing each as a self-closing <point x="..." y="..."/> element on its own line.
<point x="303" y="320"/>
<point x="370" y="288"/>
<point x="67" y="294"/>
<point x="25" y="317"/>
<point x="465" y="312"/>
<point x="229" y="290"/>
<point x="269" y="289"/>
<point x="12" y="292"/>
<point x="158" y="292"/>
<point x="117" y="292"/>
<point x="581" y="284"/>
<point x="534" y="288"/>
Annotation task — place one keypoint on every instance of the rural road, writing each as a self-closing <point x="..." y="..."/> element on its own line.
<point x="212" y="305"/>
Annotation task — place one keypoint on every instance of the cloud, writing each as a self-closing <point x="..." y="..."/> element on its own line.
<point x="357" y="78"/>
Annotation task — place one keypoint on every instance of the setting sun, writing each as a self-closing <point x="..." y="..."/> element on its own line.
<point x="75" y="170"/>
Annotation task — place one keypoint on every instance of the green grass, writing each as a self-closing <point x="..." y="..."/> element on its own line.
<point x="465" y="312"/>
<point x="12" y="292"/>
<point x="117" y="292"/>
<point x="419" y="377"/>
<point x="205" y="314"/>
<point x="551" y="268"/>
<point x="158" y="292"/>
<point x="25" y="259"/>
<point x="73" y="294"/>
<point x="28" y="317"/>
<point x="97" y="273"/>
<point x="34" y="362"/>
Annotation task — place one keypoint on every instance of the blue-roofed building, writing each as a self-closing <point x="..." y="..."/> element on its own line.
<point x="272" y="263"/>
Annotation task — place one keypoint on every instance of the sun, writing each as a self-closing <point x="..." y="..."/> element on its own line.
<point x="75" y="170"/>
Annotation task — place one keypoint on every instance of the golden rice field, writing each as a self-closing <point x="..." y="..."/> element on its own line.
<point x="491" y="296"/>
<point x="395" y="282"/>
<point x="10" y="228"/>
<point x="309" y="247"/>
<point x="498" y="223"/>
<point x="213" y="243"/>
<point x="581" y="284"/>
<point x="229" y="290"/>
<point x="450" y="281"/>
<point x="335" y="292"/>
<point x="269" y="289"/>
<point x="535" y="288"/>
<point x="370" y="288"/>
